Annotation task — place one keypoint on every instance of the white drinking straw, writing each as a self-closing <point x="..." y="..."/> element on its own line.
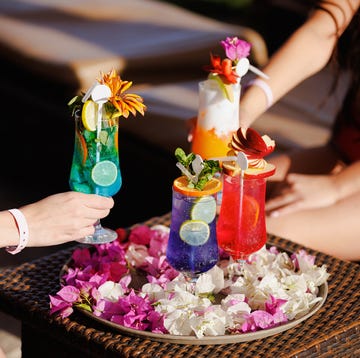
<point x="244" y="164"/>
<point x="100" y="94"/>
<point x="240" y="158"/>
<point x="187" y="173"/>
<point x="224" y="159"/>
<point x="258" y="72"/>
<point x="243" y="66"/>
<point x="89" y="91"/>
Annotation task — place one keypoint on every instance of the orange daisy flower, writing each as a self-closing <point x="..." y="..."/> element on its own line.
<point x="124" y="103"/>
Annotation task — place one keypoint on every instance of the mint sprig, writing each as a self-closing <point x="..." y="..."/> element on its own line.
<point x="210" y="168"/>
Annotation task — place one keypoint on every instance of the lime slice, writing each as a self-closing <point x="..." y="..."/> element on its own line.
<point x="88" y="115"/>
<point x="104" y="173"/>
<point x="204" y="209"/>
<point x="194" y="232"/>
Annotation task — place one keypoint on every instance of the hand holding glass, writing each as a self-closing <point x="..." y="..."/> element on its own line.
<point x="95" y="166"/>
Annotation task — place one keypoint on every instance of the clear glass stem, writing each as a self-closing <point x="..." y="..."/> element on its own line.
<point x="101" y="235"/>
<point x="97" y="226"/>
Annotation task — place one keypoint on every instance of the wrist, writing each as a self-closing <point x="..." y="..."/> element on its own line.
<point x="266" y="89"/>
<point x="245" y="120"/>
<point x="23" y="231"/>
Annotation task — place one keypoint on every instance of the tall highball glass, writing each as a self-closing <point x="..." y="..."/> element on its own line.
<point x="95" y="167"/>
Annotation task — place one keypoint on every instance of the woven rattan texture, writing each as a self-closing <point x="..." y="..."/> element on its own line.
<point x="332" y="332"/>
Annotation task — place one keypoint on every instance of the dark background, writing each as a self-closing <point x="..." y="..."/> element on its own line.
<point x="37" y="133"/>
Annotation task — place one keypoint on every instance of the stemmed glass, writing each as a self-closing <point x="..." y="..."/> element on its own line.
<point x="95" y="165"/>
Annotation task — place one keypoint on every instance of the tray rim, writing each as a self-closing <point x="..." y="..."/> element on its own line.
<point x="206" y="340"/>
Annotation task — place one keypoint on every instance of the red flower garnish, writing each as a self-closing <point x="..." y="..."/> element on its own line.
<point x="223" y="68"/>
<point x="251" y="143"/>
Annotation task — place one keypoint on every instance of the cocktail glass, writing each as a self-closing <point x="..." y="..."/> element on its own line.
<point x="217" y="120"/>
<point x="95" y="167"/>
<point x="241" y="227"/>
<point x="192" y="247"/>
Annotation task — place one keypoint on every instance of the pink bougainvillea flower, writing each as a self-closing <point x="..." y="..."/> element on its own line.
<point x="156" y="320"/>
<point x="136" y="255"/>
<point x="158" y="243"/>
<point x="272" y="305"/>
<point x="159" y="271"/>
<point x="63" y="301"/>
<point x="133" y="311"/>
<point x="59" y="306"/>
<point x="257" y="320"/>
<point x="236" y="49"/>
<point x="81" y="257"/>
<point x="141" y="235"/>
<point x="302" y="259"/>
<point x="122" y="234"/>
<point x="69" y="294"/>
<point x="102" y="284"/>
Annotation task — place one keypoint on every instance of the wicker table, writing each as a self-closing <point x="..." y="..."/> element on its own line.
<point x="332" y="332"/>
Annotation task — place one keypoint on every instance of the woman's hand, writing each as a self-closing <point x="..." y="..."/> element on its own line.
<point x="303" y="192"/>
<point x="64" y="217"/>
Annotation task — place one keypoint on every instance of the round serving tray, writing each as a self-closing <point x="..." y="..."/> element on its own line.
<point x="231" y="338"/>
<point x="207" y="340"/>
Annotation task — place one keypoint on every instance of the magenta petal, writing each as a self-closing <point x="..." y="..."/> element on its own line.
<point x="263" y="319"/>
<point x="69" y="294"/>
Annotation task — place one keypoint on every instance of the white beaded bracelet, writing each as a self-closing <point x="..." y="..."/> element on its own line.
<point x="266" y="88"/>
<point x="23" y="231"/>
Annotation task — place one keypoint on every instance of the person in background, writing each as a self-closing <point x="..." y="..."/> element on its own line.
<point x="54" y="220"/>
<point x="314" y="196"/>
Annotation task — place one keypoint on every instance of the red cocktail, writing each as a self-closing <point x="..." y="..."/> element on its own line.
<point x="241" y="228"/>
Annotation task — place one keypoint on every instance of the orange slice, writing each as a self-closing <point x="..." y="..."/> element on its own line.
<point x="181" y="185"/>
<point x="251" y="210"/>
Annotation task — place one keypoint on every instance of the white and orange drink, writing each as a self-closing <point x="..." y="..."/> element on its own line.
<point x="217" y="120"/>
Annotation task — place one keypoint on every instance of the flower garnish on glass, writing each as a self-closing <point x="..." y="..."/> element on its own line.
<point x="229" y="71"/>
<point x="192" y="248"/>
<point x="219" y="96"/>
<point x="95" y="165"/>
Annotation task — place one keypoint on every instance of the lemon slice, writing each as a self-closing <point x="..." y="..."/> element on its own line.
<point x="194" y="232"/>
<point x="88" y="115"/>
<point x="204" y="209"/>
<point x="104" y="173"/>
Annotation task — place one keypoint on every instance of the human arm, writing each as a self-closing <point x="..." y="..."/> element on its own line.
<point x="56" y="219"/>
<point x="305" y="53"/>
<point x="303" y="191"/>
